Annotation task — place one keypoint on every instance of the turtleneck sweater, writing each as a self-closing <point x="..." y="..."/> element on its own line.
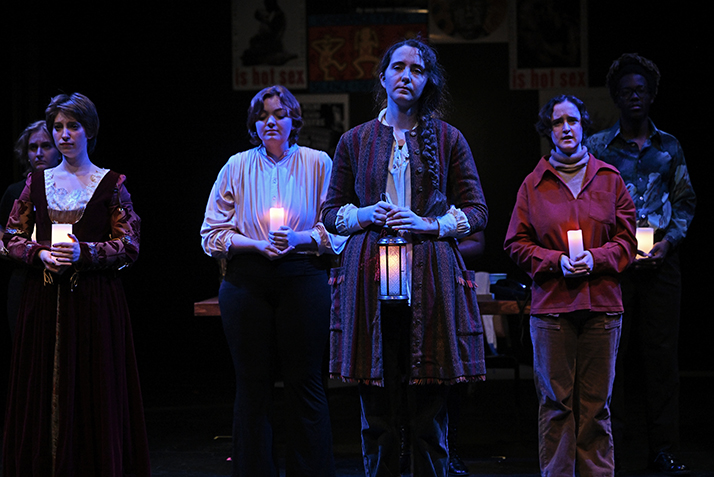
<point x="571" y="168"/>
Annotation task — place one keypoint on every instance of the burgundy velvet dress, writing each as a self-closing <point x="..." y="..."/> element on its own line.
<point x="74" y="406"/>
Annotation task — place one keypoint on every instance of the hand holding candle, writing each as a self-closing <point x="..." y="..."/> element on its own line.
<point x="579" y="262"/>
<point x="65" y="248"/>
<point x="280" y="235"/>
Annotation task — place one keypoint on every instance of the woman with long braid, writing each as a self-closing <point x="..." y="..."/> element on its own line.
<point x="410" y="172"/>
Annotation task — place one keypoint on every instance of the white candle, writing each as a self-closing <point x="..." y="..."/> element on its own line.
<point x="575" y="243"/>
<point x="645" y="239"/>
<point x="277" y="217"/>
<point x="59" y="233"/>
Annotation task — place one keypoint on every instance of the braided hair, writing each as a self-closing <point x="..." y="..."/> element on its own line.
<point x="432" y="102"/>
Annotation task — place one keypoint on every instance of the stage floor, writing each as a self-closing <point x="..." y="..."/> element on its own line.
<point x="189" y="429"/>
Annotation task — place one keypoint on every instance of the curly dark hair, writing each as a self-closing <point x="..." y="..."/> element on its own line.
<point x="632" y="63"/>
<point x="78" y="107"/>
<point x="544" y="125"/>
<point x="433" y="102"/>
<point x="287" y="100"/>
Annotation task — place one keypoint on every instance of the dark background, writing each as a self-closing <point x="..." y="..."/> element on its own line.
<point x="160" y="75"/>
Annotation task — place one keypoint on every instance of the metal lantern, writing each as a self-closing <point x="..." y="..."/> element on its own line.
<point x="392" y="269"/>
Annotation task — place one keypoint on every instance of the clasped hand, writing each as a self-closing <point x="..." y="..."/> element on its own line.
<point x="397" y="218"/>
<point x="282" y="241"/>
<point x="267" y="249"/>
<point x="61" y="255"/>
<point x="582" y="265"/>
<point x="285" y="238"/>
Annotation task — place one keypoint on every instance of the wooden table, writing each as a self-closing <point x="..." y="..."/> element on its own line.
<point x="486" y="304"/>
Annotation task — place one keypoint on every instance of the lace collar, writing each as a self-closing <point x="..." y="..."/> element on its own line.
<point x="68" y="206"/>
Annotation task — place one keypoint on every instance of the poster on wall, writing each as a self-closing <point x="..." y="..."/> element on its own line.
<point x="268" y="43"/>
<point x="325" y="118"/>
<point x="468" y="21"/>
<point x="548" y="44"/>
<point x="344" y="50"/>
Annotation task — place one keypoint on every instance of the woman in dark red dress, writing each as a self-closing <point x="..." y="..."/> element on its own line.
<point x="74" y="404"/>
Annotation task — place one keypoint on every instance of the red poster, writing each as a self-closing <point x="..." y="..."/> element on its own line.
<point x="343" y="52"/>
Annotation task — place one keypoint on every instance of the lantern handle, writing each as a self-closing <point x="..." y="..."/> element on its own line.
<point x="388" y="199"/>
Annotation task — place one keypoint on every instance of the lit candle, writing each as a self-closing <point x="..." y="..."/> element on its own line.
<point x="645" y="239"/>
<point x="575" y="243"/>
<point x="277" y="217"/>
<point x="60" y="233"/>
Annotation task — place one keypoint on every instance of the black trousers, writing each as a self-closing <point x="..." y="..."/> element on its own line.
<point x="385" y="409"/>
<point x="647" y="366"/>
<point x="276" y="319"/>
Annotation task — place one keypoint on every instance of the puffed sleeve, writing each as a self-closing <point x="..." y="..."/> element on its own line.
<point x="326" y="242"/>
<point x="122" y="248"/>
<point x="219" y="222"/>
<point x="17" y="240"/>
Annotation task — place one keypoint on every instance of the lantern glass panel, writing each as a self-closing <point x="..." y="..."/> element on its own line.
<point x="393" y="269"/>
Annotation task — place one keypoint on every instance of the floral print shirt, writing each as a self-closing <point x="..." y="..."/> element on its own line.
<point x="656" y="177"/>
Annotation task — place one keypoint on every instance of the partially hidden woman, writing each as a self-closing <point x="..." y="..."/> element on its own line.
<point x="275" y="298"/>
<point x="74" y="405"/>
<point x="401" y="171"/>
<point x="576" y="305"/>
<point x="36" y="152"/>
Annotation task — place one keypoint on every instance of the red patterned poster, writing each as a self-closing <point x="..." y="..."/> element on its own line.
<point x="344" y="50"/>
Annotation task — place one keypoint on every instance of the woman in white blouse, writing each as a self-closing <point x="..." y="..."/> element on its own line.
<point x="275" y="299"/>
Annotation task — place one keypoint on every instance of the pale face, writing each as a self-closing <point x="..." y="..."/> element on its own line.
<point x="405" y="77"/>
<point x="567" y="130"/>
<point x="274" y="125"/>
<point x="70" y="136"/>
<point x="41" y="153"/>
